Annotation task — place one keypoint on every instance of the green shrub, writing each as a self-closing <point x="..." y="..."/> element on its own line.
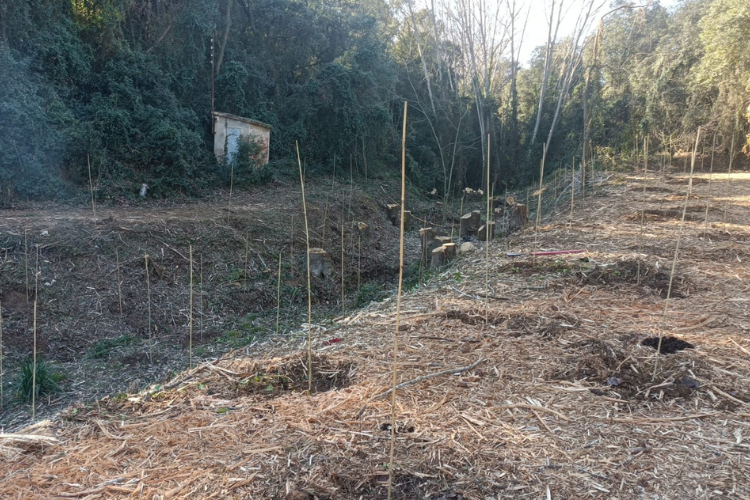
<point x="47" y="380"/>
<point x="369" y="292"/>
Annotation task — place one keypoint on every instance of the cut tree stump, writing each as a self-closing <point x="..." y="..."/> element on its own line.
<point x="429" y="241"/>
<point x="481" y="236"/>
<point x="393" y="210"/>
<point x="519" y="217"/>
<point x="450" y="250"/>
<point x="320" y="263"/>
<point x="476" y="220"/>
<point x="438" y="257"/>
<point x="466" y="228"/>
<point x="407" y="220"/>
<point x="444" y="239"/>
<point x="362" y="229"/>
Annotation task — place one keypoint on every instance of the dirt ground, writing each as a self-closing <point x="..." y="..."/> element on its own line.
<point x="533" y="377"/>
<point x="100" y="349"/>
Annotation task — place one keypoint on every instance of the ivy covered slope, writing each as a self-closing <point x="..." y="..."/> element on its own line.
<point x="126" y="86"/>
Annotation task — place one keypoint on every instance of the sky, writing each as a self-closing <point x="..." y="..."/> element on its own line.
<point x="536" y="30"/>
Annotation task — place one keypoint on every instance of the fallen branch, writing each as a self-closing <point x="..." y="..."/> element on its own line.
<point x="426" y="377"/>
<point x="28" y="438"/>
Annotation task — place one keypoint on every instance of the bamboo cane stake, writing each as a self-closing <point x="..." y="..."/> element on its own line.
<point x="200" y="290"/>
<point x="643" y="207"/>
<point x="36" y="275"/>
<point x="148" y="301"/>
<point x="729" y="180"/>
<point x="394" y="377"/>
<point x="343" y="286"/>
<point x="359" y="262"/>
<point x="33" y="373"/>
<point x="231" y="187"/>
<point x="278" y="297"/>
<point x="333" y="190"/>
<point x="309" y="284"/>
<point x="291" y="250"/>
<point x="26" y="264"/>
<point x="539" y="200"/>
<point x="190" y="327"/>
<point x="91" y="186"/>
<point x="2" y="387"/>
<point x="676" y="254"/>
<point x="119" y="280"/>
<point x="247" y="250"/>
<point x="487" y="239"/>
<point x="572" y="191"/>
<point x="710" y="174"/>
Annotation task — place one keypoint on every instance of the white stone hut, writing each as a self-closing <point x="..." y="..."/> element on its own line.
<point x="228" y="129"/>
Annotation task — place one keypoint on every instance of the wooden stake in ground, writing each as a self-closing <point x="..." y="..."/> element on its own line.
<point x="333" y="190"/>
<point x="729" y="180"/>
<point x="278" y="297"/>
<point x="488" y="235"/>
<point x="343" y="289"/>
<point x="309" y="284"/>
<point x="26" y="264"/>
<point x="291" y="249"/>
<point x="394" y="378"/>
<point x="359" y="262"/>
<point x="676" y="254"/>
<point x="148" y="301"/>
<point x="190" y="321"/>
<point x="33" y="372"/>
<point x="710" y="174"/>
<point x="247" y="250"/>
<point x="2" y="387"/>
<point x="119" y="280"/>
<point x="200" y="290"/>
<point x="643" y="206"/>
<point x="91" y="186"/>
<point x="539" y="199"/>
<point x="231" y="187"/>
<point x="36" y="275"/>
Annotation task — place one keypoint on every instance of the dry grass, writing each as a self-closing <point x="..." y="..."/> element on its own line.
<point x="564" y="402"/>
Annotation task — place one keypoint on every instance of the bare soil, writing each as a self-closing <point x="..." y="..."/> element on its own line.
<point x="525" y="378"/>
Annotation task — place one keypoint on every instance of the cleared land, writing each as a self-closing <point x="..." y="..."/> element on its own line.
<point x="564" y="402"/>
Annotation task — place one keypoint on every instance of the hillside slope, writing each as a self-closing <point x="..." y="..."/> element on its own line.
<point x="565" y="401"/>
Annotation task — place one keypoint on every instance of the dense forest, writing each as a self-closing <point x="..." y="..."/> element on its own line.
<point x="125" y="86"/>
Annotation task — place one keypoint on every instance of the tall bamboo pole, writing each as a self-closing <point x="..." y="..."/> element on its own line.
<point x="91" y="186"/>
<point x="33" y="372"/>
<point x="394" y="377"/>
<point x="710" y="175"/>
<point x="539" y="199"/>
<point x="190" y="327"/>
<point x="343" y="285"/>
<point x="26" y="264"/>
<point x="643" y="207"/>
<point x="487" y="238"/>
<point x="2" y="387"/>
<point x="148" y="301"/>
<point x="119" y="280"/>
<point x="278" y="297"/>
<point x="676" y="254"/>
<point x="729" y="180"/>
<point x="309" y="284"/>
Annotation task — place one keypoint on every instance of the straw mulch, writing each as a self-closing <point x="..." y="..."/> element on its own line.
<point x="564" y="401"/>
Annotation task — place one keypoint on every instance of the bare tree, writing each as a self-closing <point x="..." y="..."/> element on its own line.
<point x="549" y="52"/>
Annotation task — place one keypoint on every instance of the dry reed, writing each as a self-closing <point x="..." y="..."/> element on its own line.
<point x="309" y="284"/>
<point x="247" y="251"/>
<point x="488" y="235"/>
<point x="394" y="377"/>
<point x="231" y="187"/>
<point x="539" y="200"/>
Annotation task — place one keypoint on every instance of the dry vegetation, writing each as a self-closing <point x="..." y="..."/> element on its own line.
<point x="562" y="404"/>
